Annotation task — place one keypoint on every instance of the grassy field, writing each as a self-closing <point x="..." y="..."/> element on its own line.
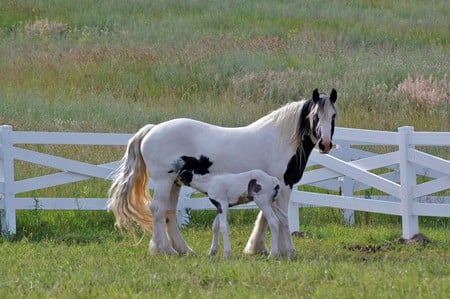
<point x="75" y="255"/>
<point x="113" y="66"/>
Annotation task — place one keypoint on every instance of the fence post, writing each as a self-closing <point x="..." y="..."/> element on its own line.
<point x="410" y="223"/>
<point x="8" y="211"/>
<point x="347" y="184"/>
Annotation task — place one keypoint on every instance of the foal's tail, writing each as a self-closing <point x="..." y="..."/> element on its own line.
<point x="129" y="196"/>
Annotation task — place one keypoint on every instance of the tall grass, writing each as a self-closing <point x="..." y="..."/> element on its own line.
<point x="171" y="58"/>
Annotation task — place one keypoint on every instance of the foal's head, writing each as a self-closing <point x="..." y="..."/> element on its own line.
<point x="319" y="120"/>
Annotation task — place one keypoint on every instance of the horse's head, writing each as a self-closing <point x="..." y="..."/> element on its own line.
<point x="321" y="120"/>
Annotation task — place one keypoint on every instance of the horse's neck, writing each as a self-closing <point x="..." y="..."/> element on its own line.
<point x="285" y="120"/>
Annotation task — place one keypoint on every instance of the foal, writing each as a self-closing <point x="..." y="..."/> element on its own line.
<point x="226" y="190"/>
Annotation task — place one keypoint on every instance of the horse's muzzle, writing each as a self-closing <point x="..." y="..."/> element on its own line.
<point x="325" y="146"/>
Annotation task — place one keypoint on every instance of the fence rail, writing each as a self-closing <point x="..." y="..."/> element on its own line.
<point x="409" y="182"/>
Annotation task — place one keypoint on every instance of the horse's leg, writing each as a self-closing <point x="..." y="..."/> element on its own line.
<point x="159" y="206"/>
<point x="283" y="222"/>
<point x="215" y="240"/>
<point x="285" y="242"/>
<point x="274" y="224"/>
<point x="257" y="241"/>
<point x="173" y="231"/>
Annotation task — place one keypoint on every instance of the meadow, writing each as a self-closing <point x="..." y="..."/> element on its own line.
<point x="113" y="66"/>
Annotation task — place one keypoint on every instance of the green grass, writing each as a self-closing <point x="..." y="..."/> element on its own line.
<point x="117" y="65"/>
<point x="78" y="254"/>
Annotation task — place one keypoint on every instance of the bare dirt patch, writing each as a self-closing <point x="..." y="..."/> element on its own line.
<point x="416" y="239"/>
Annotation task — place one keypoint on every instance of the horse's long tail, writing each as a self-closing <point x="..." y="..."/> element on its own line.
<point x="128" y="195"/>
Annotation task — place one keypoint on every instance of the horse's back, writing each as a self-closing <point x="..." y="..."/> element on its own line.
<point x="171" y="139"/>
<point x="231" y="150"/>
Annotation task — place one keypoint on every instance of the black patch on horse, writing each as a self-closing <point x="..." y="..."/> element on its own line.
<point x="297" y="163"/>
<point x="304" y="127"/>
<point x="197" y="166"/>
<point x="187" y="166"/>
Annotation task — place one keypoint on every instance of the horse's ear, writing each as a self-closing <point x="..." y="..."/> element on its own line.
<point x="253" y="187"/>
<point x="333" y="96"/>
<point x="316" y="95"/>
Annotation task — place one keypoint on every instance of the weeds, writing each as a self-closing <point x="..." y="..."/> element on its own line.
<point x="44" y="27"/>
<point x="426" y="92"/>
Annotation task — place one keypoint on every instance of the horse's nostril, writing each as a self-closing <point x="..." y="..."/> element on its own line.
<point x="325" y="147"/>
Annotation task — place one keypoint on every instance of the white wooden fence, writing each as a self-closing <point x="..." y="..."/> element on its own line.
<point x="413" y="183"/>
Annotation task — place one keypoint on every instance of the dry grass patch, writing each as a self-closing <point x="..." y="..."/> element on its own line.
<point x="426" y="91"/>
<point x="44" y="27"/>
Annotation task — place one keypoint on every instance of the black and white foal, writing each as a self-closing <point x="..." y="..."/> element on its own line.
<point x="226" y="190"/>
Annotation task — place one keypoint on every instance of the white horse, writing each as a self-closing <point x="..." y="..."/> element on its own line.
<point x="228" y="189"/>
<point x="279" y="144"/>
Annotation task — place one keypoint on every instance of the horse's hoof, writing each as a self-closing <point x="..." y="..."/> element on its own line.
<point x="254" y="251"/>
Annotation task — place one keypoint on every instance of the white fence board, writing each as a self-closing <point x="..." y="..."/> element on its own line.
<point x="70" y="138"/>
<point x="378" y="161"/>
<point x="346" y="202"/>
<point x="360" y="174"/>
<point x="365" y="137"/>
<point x="430" y="138"/>
<point x="431" y="187"/>
<point x="429" y="161"/>
<point x="48" y="203"/>
<point x="431" y="209"/>
<point x="55" y="179"/>
<point x="62" y="163"/>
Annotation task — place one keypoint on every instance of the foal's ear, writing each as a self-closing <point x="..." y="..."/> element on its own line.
<point x="253" y="187"/>
<point x="333" y="96"/>
<point x="316" y="95"/>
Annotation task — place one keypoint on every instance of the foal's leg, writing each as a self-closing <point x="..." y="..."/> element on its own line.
<point x="215" y="240"/>
<point x="173" y="232"/>
<point x="159" y="206"/>
<point x="256" y="244"/>
<point x="223" y="224"/>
